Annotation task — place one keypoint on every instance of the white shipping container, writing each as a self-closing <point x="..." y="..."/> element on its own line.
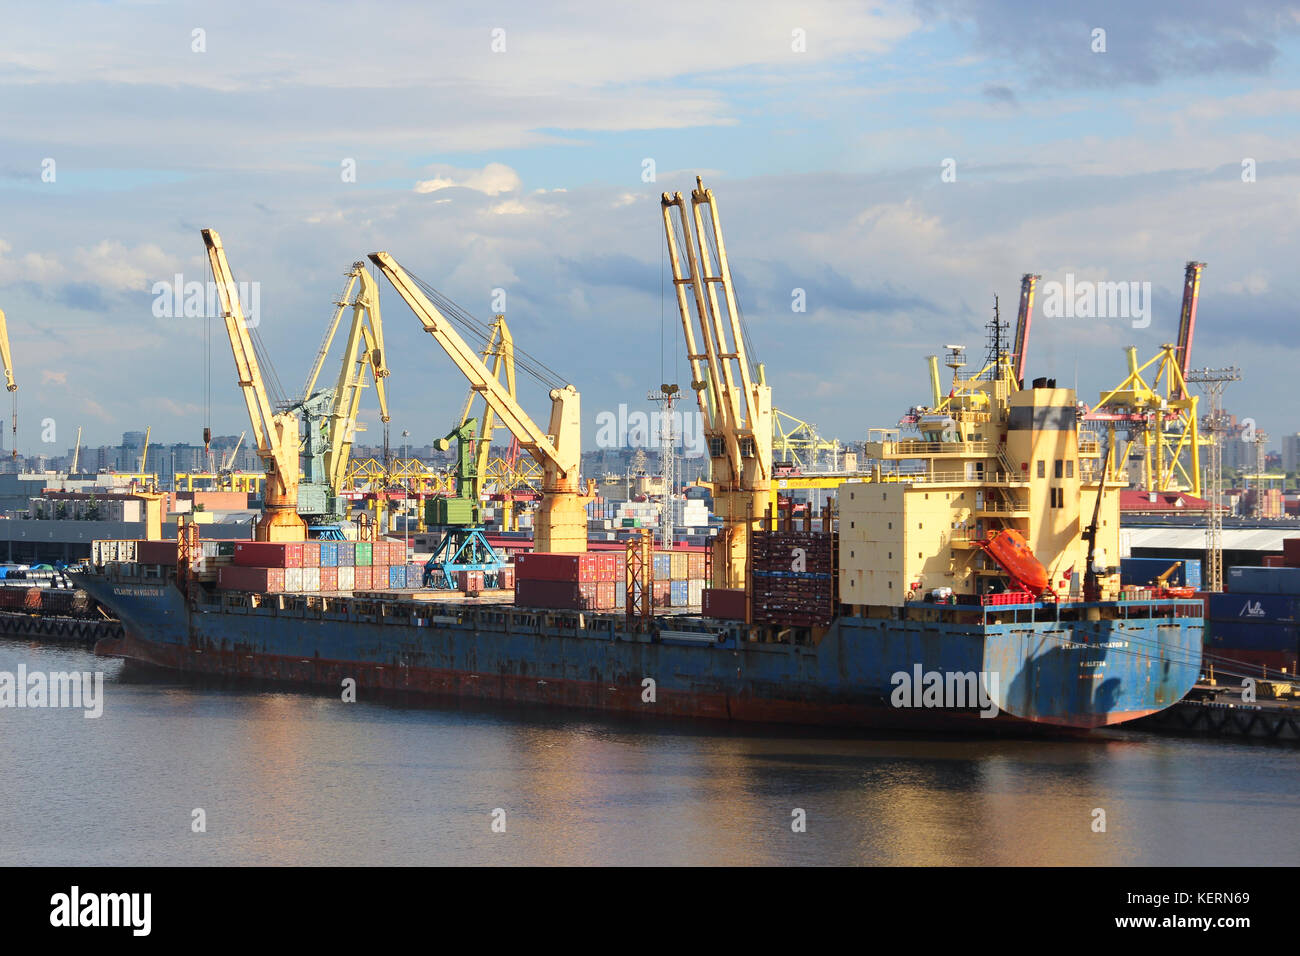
<point x="347" y="578"/>
<point x="293" y="579"/>
<point x="695" y="591"/>
<point x="311" y="579"/>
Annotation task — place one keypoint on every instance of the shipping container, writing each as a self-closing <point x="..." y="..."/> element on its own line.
<point x="695" y="564"/>
<point x="1291" y="552"/>
<point x="1251" y="636"/>
<point x="329" y="554"/>
<point x="663" y="567"/>
<point x="678" y="594"/>
<point x="329" y="578"/>
<point x="678" y="565"/>
<point x="361" y="579"/>
<point x="311" y="554"/>
<point x="1234" y="606"/>
<point x="469" y="582"/>
<point x="415" y="575"/>
<point x="236" y="577"/>
<point x="573" y="568"/>
<point x="1250" y="580"/>
<point x="397" y="576"/>
<point x="156" y="552"/>
<point x="726" y="604"/>
<point x="268" y="554"/>
<point x="363" y="554"/>
<point x="293" y="579"/>
<point x="1142" y="571"/>
<point x="695" y="592"/>
<point x="311" y="577"/>
<point x="506" y="578"/>
<point x="347" y="553"/>
<point x="346" y="577"/>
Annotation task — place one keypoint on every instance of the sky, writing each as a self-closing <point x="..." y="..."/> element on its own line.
<point x="892" y="166"/>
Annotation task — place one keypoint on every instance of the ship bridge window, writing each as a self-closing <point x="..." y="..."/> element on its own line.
<point x="1060" y="468"/>
<point x="1042" y="468"/>
<point x="1069" y="468"/>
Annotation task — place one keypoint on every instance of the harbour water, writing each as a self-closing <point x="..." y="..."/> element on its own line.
<point x="286" y="777"/>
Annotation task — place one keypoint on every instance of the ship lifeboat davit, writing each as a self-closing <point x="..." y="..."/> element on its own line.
<point x="1010" y="549"/>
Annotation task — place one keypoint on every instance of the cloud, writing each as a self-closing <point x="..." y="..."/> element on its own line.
<point x="492" y="180"/>
<point x="1145" y="43"/>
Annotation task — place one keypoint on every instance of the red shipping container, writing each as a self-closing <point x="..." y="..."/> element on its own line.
<point x="268" y="554"/>
<point x="155" y="552"/>
<point x="1291" y="552"/>
<point x="1275" y="561"/>
<point x="311" y="554"/>
<point x="242" y="578"/>
<point x="361" y="582"/>
<point x="329" y="579"/>
<point x="506" y="578"/>
<point x="724" y="603"/>
<point x="566" y="595"/>
<point x="467" y="581"/>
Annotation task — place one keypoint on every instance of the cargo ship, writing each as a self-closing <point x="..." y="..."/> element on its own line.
<point x="971" y="573"/>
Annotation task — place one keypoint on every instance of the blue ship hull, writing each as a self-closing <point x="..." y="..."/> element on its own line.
<point x="1048" y="674"/>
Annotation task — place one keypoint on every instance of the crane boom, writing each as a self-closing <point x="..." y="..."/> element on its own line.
<point x="10" y="384"/>
<point x="562" y="520"/>
<point x="735" y="402"/>
<point x="1024" y="317"/>
<point x="1187" y="321"/>
<point x="275" y="434"/>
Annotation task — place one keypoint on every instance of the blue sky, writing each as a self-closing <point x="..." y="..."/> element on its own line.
<point x="1114" y="165"/>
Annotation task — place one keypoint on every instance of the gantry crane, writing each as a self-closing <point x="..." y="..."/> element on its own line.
<point x="275" y="433"/>
<point x="330" y="415"/>
<point x="561" y="523"/>
<point x="735" y="400"/>
<point x="10" y="384"/>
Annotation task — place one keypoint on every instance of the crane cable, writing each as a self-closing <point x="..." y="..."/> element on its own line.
<point x="482" y="333"/>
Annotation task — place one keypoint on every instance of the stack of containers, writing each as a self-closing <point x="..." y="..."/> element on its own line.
<point x="1256" y="621"/>
<point x="308" y="567"/>
<point x="588" y="581"/>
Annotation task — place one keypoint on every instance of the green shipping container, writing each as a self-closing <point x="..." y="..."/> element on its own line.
<point x="365" y="551"/>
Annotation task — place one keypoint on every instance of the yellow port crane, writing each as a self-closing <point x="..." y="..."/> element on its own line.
<point x="331" y="415"/>
<point x="735" y="400"/>
<point x="500" y="348"/>
<point x="275" y="433"/>
<point x="561" y="523"/>
<point x="10" y="384"/>
<point x="1154" y="410"/>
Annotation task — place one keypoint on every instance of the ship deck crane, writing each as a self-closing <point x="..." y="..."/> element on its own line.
<point x="735" y="400"/>
<point x="10" y="384"/>
<point x="561" y="523"/>
<point x="275" y="434"/>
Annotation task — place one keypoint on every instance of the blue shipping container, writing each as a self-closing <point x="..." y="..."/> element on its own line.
<point x="663" y="567"/>
<point x="1143" y="571"/>
<point x="1270" y="608"/>
<point x="397" y="576"/>
<point x="1192" y="573"/>
<point x="1250" y="636"/>
<point x="679" y="593"/>
<point x="1250" y="580"/>
<point x="329" y="554"/>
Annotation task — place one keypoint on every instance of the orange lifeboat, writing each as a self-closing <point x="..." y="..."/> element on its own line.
<point x="1010" y="549"/>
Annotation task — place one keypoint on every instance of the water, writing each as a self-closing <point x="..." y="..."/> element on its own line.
<point x="301" y="778"/>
